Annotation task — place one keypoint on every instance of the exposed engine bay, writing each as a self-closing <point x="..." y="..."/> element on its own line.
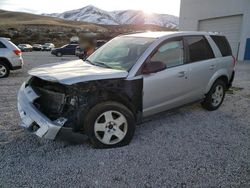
<point x="73" y="101"/>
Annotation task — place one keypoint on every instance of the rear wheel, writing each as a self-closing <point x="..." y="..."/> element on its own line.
<point x="109" y="124"/>
<point x="215" y="96"/>
<point x="4" y="70"/>
<point x="59" y="54"/>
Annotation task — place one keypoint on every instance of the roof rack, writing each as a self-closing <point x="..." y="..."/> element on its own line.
<point x="134" y="32"/>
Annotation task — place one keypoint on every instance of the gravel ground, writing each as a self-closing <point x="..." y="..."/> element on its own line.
<point x="187" y="147"/>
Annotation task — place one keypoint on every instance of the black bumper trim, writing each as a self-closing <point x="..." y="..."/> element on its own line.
<point x="16" y="68"/>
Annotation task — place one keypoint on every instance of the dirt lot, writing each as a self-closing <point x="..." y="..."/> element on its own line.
<point x="188" y="147"/>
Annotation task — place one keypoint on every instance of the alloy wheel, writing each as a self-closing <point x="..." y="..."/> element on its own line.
<point x="217" y="96"/>
<point x="3" y="71"/>
<point x="110" y="127"/>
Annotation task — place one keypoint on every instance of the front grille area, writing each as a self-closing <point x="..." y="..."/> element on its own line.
<point x="60" y="101"/>
<point x="52" y="97"/>
<point x="50" y="103"/>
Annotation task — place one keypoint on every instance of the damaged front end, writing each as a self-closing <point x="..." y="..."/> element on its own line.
<point x="58" y="102"/>
<point x="45" y="107"/>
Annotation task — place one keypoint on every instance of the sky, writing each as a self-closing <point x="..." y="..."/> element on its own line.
<point x="57" y="6"/>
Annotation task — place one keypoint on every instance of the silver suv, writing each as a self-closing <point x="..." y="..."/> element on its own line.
<point x="127" y="79"/>
<point x="10" y="57"/>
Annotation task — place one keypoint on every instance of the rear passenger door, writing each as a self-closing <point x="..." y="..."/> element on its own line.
<point x="202" y="64"/>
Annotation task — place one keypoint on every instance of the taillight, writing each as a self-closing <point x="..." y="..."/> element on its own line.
<point x="234" y="61"/>
<point x="17" y="52"/>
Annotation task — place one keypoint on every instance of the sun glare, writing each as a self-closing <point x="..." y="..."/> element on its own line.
<point x="147" y="10"/>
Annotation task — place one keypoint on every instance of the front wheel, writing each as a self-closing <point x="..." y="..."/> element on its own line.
<point x="109" y="124"/>
<point x="215" y="96"/>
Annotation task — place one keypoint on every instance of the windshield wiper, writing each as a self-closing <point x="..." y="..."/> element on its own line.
<point x="90" y="62"/>
<point x="98" y="64"/>
<point x="102" y="64"/>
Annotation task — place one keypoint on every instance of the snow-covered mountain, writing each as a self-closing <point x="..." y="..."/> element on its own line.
<point x="95" y="15"/>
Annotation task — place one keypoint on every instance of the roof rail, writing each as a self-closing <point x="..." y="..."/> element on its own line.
<point x="215" y="32"/>
<point x="5" y="38"/>
<point x="134" y="32"/>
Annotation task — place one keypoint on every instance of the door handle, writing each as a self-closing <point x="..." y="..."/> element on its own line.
<point x="211" y="67"/>
<point x="181" y="74"/>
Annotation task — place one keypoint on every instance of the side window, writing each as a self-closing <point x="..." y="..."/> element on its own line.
<point x="171" y="54"/>
<point x="198" y="48"/>
<point x="2" y="45"/>
<point x="222" y="44"/>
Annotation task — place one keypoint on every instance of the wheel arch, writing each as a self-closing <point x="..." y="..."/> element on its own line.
<point x="123" y="99"/>
<point x="125" y="92"/>
<point x="221" y="74"/>
<point x="6" y="61"/>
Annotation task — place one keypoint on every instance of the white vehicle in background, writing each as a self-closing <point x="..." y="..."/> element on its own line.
<point x="48" y="47"/>
<point x="37" y="47"/>
<point x="10" y="57"/>
<point x="25" y="47"/>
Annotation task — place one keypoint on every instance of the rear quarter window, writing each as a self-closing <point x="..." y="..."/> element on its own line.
<point x="222" y="44"/>
<point x="198" y="48"/>
<point x="2" y="45"/>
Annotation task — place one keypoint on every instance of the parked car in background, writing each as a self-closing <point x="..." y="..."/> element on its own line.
<point x="48" y="47"/>
<point x="68" y="49"/>
<point x="37" y="47"/>
<point x="25" y="47"/>
<point x="129" y="78"/>
<point x="78" y="50"/>
<point x="10" y="57"/>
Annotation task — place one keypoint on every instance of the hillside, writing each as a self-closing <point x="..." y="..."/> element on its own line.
<point x="93" y="14"/>
<point x="31" y="28"/>
<point x="9" y="18"/>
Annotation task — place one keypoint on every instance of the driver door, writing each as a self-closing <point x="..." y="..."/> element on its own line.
<point x="166" y="88"/>
<point x="70" y="49"/>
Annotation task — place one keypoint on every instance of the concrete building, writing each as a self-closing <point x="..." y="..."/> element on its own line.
<point x="230" y="17"/>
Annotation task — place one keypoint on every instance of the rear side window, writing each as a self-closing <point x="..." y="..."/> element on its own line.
<point x="223" y="45"/>
<point x="198" y="48"/>
<point x="2" y="45"/>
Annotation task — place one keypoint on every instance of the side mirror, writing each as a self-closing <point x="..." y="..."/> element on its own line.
<point x="153" y="67"/>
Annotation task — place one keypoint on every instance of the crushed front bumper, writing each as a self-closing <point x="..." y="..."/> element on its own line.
<point x="32" y="117"/>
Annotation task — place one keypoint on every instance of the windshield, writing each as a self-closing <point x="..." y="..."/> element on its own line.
<point x="121" y="52"/>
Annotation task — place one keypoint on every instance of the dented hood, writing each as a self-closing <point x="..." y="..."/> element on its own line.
<point x="74" y="72"/>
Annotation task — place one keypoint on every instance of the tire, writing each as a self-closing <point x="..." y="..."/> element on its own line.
<point x="215" y="96"/>
<point x="58" y="54"/>
<point x="4" y="70"/>
<point x="102" y="132"/>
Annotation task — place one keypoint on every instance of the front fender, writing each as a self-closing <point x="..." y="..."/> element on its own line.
<point x="217" y="74"/>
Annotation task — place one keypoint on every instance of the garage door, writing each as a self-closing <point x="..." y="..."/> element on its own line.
<point x="230" y="26"/>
